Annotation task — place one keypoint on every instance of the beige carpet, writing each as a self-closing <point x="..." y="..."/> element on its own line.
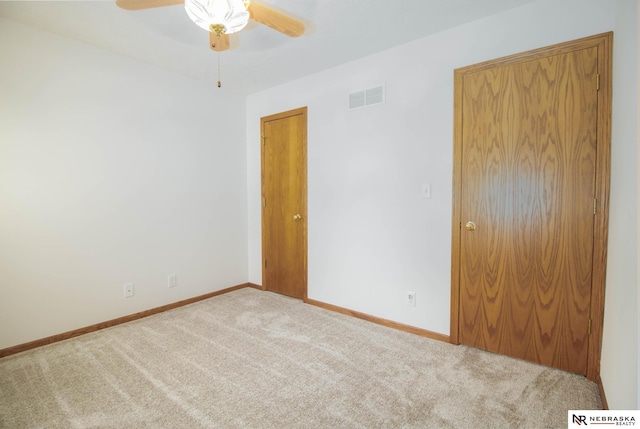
<point x="252" y="359"/>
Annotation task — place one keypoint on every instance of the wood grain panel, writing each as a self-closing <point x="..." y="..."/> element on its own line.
<point x="276" y="20"/>
<point x="146" y="4"/>
<point x="284" y="178"/>
<point x="527" y="165"/>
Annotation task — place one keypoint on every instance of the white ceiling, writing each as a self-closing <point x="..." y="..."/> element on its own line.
<point x="337" y="31"/>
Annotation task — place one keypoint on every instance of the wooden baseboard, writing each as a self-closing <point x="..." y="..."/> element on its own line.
<point x="98" y="326"/>
<point x="255" y="286"/>
<point x="373" y="319"/>
<point x="603" y="397"/>
<point x="417" y="331"/>
<point x="380" y="321"/>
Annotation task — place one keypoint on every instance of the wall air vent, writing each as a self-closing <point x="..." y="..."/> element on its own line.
<point x="366" y="98"/>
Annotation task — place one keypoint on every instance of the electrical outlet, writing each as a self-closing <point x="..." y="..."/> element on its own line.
<point x="173" y="280"/>
<point x="426" y="191"/>
<point x="128" y="290"/>
<point x="411" y="299"/>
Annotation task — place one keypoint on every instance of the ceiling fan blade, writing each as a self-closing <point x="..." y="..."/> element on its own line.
<point x="219" y="44"/>
<point x="145" y="4"/>
<point x="276" y="20"/>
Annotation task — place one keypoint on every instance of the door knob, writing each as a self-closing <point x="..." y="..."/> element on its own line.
<point x="297" y="217"/>
<point x="471" y="225"/>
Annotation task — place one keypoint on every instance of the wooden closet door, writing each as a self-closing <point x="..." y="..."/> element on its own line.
<point x="527" y="193"/>
<point x="284" y="208"/>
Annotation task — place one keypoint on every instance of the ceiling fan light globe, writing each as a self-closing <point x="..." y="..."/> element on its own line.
<point x="232" y="14"/>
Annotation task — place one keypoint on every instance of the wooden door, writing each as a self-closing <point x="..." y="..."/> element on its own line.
<point x="526" y="202"/>
<point x="284" y="203"/>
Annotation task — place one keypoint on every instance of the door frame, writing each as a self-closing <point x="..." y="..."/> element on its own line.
<point x="289" y="113"/>
<point x="604" y="44"/>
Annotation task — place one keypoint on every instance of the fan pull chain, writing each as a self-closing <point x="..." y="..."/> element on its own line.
<point x="219" y="84"/>
<point x="219" y="30"/>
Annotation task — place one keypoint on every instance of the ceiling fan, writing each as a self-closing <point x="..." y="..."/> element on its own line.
<point x="223" y="17"/>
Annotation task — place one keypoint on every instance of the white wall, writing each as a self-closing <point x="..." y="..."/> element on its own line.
<point x="620" y="342"/>
<point x="111" y="171"/>
<point x="371" y="236"/>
